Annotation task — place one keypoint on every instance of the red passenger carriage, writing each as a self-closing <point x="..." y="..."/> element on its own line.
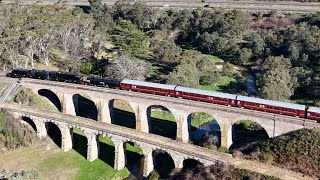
<point x="313" y="113"/>
<point x="206" y="96"/>
<point x="147" y="87"/>
<point x="271" y="106"/>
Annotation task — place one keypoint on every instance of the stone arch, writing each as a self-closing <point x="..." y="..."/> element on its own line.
<point x="134" y="158"/>
<point x="191" y="163"/>
<point x="52" y="97"/>
<point x="30" y="122"/>
<point x="161" y="121"/>
<point x="203" y="128"/>
<point x="85" y="107"/>
<point x="247" y="131"/>
<point x="54" y="132"/>
<point x="163" y="163"/>
<point x="122" y="113"/>
<point x="106" y="149"/>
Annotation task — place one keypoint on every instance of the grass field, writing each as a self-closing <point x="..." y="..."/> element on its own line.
<point x="51" y="163"/>
<point x="224" y="81"/>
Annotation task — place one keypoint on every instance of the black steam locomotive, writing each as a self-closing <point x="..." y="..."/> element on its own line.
<point x="63" y="77"/>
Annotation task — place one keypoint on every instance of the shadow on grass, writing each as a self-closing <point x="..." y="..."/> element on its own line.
<point x="54" y="133"/>
<point x="163" y="128"/>
<point x="106" y="153"/>
<point x="242" y="136"/>
<point x="84" y="107"/>
<point x="123" y="118"/>
<point x="80" y="144"/>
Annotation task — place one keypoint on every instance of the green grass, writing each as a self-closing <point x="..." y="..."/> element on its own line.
<point x="224" y="81"/>
<point x="200" y="118"/>
<point x="87" y="170"/>
<point x="97" y="169"/>
<point x="310" y="102"/>
<point x="129" y="147"/>
<point x="118" y="104"/>
<point x="163" y="115"/>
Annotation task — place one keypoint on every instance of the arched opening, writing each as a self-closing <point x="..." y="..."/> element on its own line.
<point x="204" y="130"/>
<point x="191" y="164"/>
<point x="246" y="133"/>
<point x="106" y="150"/>
<point x="163" y="163"/>
<point x="84" y="107"/>
<point x="161" y="122"/>
<point x="122" y="114"/>
<point x="51" y="96"/>
<point x="80" y="142"/>
<point x="134" y="159"/>
<point x="30" y="122"/>
<point x="54" y="133"/>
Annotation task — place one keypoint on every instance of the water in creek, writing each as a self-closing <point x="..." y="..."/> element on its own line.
<point x="198" y="133"/>
<point x="251" y="83"/>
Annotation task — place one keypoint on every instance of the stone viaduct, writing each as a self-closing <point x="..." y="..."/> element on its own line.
<point x="119" y="136"/>
<point x="225" y="116"/>
<point x="180" y="152"/>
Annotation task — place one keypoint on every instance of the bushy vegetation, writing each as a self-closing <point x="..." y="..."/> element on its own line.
<point x="297" y="151"/>
<point x="166" y="45"/>
<point x="216" y="172"/>
<point x="13" y="134"/>
<point x="19" y="175"/>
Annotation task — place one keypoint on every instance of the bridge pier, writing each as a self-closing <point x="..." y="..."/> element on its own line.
<point x="182" y="125"/>
<point x="92" y="152"/>
<point x="67" y="104"/>
<point x="103" y="110"/>
<point x="41" y="128"/>
<point x="226" y="133"/>
<point x="119" y="153"/>
<point x="66" y="139"/>
<point x="140" y="111"/>
<point x="148" y="165"/>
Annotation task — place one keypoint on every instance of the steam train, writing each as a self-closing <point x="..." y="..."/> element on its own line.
<point x="240" y="101"/>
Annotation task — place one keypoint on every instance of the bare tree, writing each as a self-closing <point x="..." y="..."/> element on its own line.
<point x="124" y="66"/>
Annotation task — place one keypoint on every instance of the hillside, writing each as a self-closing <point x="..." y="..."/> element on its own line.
<point x="298" y="151"/>
<point x="14" y="134"/>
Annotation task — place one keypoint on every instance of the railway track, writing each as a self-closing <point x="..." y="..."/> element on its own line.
<point x="292" y="7"/>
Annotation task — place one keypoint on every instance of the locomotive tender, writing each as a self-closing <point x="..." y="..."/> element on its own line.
<point x="258" y="104"/>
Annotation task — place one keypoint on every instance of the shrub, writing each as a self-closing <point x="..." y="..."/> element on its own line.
<point x="154" y="175"/>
